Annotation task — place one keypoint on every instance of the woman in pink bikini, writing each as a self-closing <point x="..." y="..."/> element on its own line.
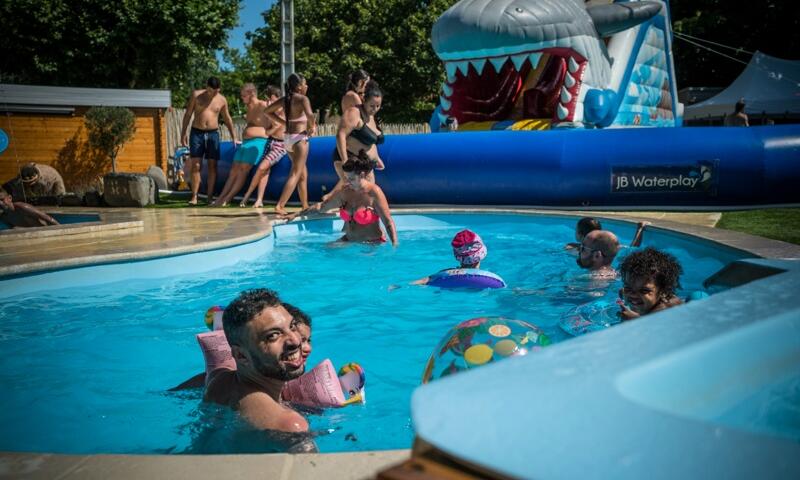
<point x="298" y="130"/>
<point x="362" y="204"/>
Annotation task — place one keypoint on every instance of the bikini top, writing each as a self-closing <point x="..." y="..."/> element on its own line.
<point x="365" y="134"/>
<point x="362" y="216"/>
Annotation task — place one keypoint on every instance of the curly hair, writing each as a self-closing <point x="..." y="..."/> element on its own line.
<point x="244" y="308"/>
<point x="361" y="164"/>
<point x="661" y="267"/>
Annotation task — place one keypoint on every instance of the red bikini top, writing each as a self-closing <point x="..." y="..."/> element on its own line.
<point x="362" y="216"/>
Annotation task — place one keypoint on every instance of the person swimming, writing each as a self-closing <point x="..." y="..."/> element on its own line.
<point x="650" y="279"/>
<point x="587" y="225"/>
<point x="359" y="130"/>
<point x="469" y="250"/>
<point x="361" y="203"/>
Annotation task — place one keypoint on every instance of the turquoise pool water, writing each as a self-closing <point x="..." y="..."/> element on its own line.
<point x="66" y="218"/>
<point x="86" y="370"/>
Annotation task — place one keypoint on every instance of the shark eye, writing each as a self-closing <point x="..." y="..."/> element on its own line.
<point x="519" y="10"/>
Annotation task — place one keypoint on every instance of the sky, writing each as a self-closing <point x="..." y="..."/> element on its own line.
<point x="249" y="20"/>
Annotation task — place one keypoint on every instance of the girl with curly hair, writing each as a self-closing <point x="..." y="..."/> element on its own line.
<point x="650" y="279"/>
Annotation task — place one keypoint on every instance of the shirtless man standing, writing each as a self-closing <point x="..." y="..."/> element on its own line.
<point x="255" y="142"/>
<point x="206" y="106"/>
<point x="267" y="347"/>
<point x="273" y="154"/>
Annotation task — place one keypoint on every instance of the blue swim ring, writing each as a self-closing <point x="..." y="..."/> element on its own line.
<point x="590" y="317"/>
<point x="3" y="140"/>
<point x="466" y="278"/>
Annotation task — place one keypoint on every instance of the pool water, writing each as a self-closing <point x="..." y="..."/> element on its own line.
<point x="66" y="218"/>
<point x="85" y="370"/>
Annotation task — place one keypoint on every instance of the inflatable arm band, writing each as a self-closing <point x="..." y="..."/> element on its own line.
<point x="319" y="387"/>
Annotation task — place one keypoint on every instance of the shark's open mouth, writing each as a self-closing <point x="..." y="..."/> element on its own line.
<point x="542" y="84"/>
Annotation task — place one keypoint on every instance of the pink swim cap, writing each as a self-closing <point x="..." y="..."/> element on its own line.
<point x="468" y="248"/>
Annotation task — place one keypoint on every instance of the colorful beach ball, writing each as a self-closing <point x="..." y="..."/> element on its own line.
<point x="213" y="317"/>
<point x="480" y="341"/>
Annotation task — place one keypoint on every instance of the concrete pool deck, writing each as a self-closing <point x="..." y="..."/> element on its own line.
<point x="166" y="232"/>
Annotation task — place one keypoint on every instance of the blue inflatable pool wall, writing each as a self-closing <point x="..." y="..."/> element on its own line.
<point x="645" y="167"/>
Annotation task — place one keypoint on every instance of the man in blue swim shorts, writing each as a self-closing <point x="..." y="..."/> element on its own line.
<point x="206" y="106"/>
<point x="256" y="141"/>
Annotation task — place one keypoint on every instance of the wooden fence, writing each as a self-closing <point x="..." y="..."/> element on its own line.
<point x="174" y="118"/>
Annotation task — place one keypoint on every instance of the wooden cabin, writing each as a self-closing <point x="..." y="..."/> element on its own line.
<point x="46" y="125"/>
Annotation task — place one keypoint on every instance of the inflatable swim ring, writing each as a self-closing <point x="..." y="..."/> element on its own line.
<point x="590" y="317"/>
<point x="466" y="278"/>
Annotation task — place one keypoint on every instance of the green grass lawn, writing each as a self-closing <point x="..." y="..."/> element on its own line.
<point x="181" y="200"/>
<point x="776" y="223"/>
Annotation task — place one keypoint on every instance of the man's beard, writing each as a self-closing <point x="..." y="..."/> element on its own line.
<point x="277" y="371"/>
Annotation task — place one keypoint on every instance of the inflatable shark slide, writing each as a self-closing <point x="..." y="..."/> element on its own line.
<point x="566" y="103"/>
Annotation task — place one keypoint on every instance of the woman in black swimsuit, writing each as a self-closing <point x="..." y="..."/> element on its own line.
<point x="358" y="131"/>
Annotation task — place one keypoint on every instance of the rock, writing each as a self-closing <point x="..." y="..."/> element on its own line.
<point x="158" y="176"/>
<point x="129" y="190"/>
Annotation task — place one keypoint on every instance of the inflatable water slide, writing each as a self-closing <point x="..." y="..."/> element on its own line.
<point x="567" y="103"/>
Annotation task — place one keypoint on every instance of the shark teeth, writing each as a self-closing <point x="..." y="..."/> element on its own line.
<point x="445" y="103"/>
<point x="498" y="62"/>
<point x="565" y="96"/>
<point x="518" y="60"/>
<point x="570" y="81"/>
<point x="478" y="65"/>
<point x="442" y="118"/>
<point x="450" y="68"/>
<point x="534" y="59"/>
<point x="447" y="89"/>
<point x="572" y="65"/>
<point x="562" y="112"/>
<point x="463" y="67"/>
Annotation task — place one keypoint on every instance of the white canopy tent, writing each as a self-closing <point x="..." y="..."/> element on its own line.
<point x="768" y="85"/>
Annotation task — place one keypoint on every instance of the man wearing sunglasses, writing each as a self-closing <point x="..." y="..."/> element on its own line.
<point x="597" y="252"/>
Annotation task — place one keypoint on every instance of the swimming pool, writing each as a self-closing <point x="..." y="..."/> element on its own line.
<point x="66" y="218"/>
<point x="86" y="367"/>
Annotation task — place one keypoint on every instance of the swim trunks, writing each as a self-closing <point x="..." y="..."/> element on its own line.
<point x="251" y="150"/>
<point x="204" y="143"/>
<point x="274" y="153"/>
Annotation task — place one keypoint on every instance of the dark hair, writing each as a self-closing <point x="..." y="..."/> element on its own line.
<point x="355" y="78"/>
<point x="739" y="108"/>
<point x="213" y="82"/>
<point x="297" y="314"/>
<point x="372" y="90"/>
<point x="272" y="90"/>
<point x="28" y="172"/>
<point x="586" y="225"/>
<point x="662" y="267"/>
<point x="361" y="164"/>
<point x="291" y="85"/>
<point x="245" y="308"/>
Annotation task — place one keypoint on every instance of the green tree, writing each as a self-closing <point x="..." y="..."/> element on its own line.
<point x="772" y="27"/>
<point x="388" y="38"/>
<point x="109" y="128"/>
<point x="127" y="44"/>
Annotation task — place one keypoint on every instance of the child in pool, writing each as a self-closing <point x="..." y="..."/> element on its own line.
<point x="469" y="250"/>
<point x="650" y="281"/>
<point x="590" y="224"/>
